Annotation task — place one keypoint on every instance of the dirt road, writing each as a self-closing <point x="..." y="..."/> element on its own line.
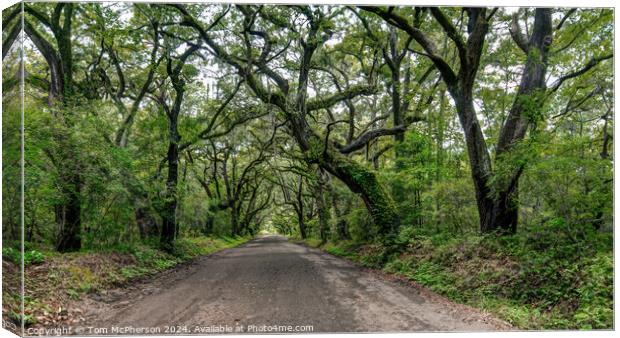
<point x="272" y="285"/>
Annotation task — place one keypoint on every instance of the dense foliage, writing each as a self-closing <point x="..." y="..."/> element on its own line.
<point x="442" y="138"/>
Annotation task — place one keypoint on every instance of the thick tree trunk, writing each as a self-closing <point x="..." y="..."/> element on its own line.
<point x="302" y="225"/>
<point x="364" y="181"/>
<point x="478" y="155"/>
<point x="68" y="210"/>
<point x="500" y="214"/>
<point x="168" y="212"/>
<point x="169" y="226"/>
<point x="497" y="211"/>
<point x="497" y="205"/>
<point x="502" y="211"/>
<point x="59" y="59"/>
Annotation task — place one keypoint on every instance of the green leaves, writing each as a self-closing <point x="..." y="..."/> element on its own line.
<point x="30" y="256"/>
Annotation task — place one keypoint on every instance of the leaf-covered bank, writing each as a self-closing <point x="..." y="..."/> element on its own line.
<point x="54" y="280"/>
<point x="551" y="278"/>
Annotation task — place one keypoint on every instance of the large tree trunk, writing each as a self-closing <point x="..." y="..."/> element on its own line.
<point x="302" y="225"/>
<point x="502" y="211"/>
<point x="68" y="210"/>
<point x="168" y="212"/>
<point x="59" y="59"/>
<point x="499" y="210"/>
<point x="364" y="181"/>
<point x="169" y="221"/>
<point x="497" y="205"/>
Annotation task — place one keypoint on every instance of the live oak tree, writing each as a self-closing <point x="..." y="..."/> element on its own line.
<point x="57" y="50"/>
<point x="497" y="201"/>
<point x="295" y="105"/>
<point x="121" y="84"/>
<point x="330" y="122"/>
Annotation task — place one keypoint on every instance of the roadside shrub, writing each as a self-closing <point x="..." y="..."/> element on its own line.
<point x="363" y="229"/>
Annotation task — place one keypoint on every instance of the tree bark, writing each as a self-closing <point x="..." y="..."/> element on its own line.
<point x="60" y="99"/>
<point x="503" y="213"/>
<point x="168" y="212"/>
<point x="302" y="225"/>
<point x="169" y="205"/>
<point x="363" y="181"/>
<point x="68" y="214"/>
<point x="498" y="204"/>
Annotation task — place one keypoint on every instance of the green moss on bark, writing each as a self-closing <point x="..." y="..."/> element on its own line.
<point x="360" y="180"/>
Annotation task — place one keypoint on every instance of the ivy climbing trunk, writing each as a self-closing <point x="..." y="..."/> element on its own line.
<point x="363" y="181"/>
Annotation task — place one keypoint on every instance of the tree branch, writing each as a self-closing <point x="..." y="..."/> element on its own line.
<point x="452" y="33"/>
<point x="593" y="62"/>
<point x="346" y="94"/>
<point x="368" y="136"/>
<point x="429" y="47"/>
<point x="8" y="42"/>
<point x="12" y="15"/>
<point x="566" y="16"/>
<point x="517" y="35"/>
<point x="38" y="15"/>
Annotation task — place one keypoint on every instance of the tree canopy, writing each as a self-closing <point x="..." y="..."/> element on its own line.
<point x="157" y="120"/>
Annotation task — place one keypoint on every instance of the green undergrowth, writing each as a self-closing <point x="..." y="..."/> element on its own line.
<point x="30" y="256"/>
<point x="54" y="279"/>
<point x="550" y="277"/>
